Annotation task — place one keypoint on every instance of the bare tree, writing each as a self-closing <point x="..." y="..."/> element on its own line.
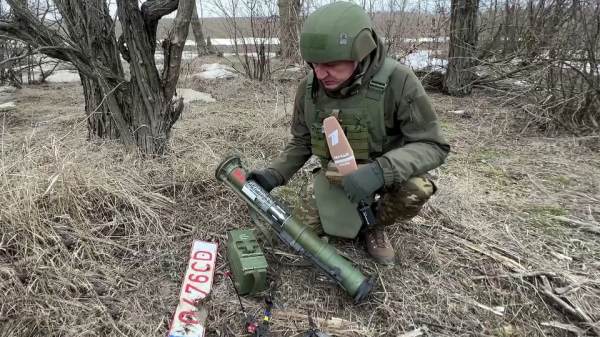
<point x="251" y="25"/>
<point x="289" y="28"/>
<point x="139" y="111"/>
<point x="198" y="33"/>
<point x="546" y="64"/>
<point x="392" y="23"/>
<point x="19" y="61"/>
<point x="463" y="42"/>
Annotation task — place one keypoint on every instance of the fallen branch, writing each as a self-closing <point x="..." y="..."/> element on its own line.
<point x="581" y="194"/>
<point x="510" y="263"/>
<point x="535" y="274"/>
<point x="505" y="251"/>
<point x="485" y="80"/>
<point x="576" y="222"/>
<point x="571" y="287"/>
<point x="508" y="330"/>
<point x="561" y="256"/>
<point x="497" y="310"/>
<point x="589" y="227"/>
<point x="568" y="327"/>
<point x="334" y="325"/>
<point x="545" y="286"/>
<point x="414" y="333"/>
<point x="572" y="310"/>
<point x="564" y="305"/>
<point x="517" y="275"/>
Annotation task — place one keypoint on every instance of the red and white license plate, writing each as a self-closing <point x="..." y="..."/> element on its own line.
<point x="196" y="285"/>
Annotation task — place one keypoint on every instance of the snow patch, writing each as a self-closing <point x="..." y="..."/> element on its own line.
<point x="8" y="88"/>
<point x="214" y="74"/>
<point x="215" y="70"/>
<point x="190" y="95"/>
<point x="7" y="106"/>
<point x="63" y="76"/>
<point x="189" y="55"/>
<point x="427" y="39"/>
<point x="185" y="56"/>
<point x="251" y="55"/>
<point x="215" y="66"/>
<point x="422" y="59"/>
<point x="240" y="41"/>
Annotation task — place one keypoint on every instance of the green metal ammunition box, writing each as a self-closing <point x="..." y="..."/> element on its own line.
<point x="246" y="261"/>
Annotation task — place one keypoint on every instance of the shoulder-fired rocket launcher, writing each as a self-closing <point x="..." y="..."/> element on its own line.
<point x="292" y="230"/>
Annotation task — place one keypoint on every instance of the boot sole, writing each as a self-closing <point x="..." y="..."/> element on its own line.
<point x="386" y="261"/>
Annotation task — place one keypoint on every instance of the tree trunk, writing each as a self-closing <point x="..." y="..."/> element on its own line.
<point x="463" y="42"/>
<point x="152" y="111"/>
<point x="100" y="124"/>
<point x="198" y="33"/>
<point x="289" y="24"/>
<point x="140" y="111"/>
<point x="89" y="34"/>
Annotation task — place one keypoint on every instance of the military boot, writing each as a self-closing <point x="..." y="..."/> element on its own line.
<point x="379" y="246"/>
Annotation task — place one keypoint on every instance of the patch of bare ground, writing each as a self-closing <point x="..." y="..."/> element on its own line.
<point x="94" y="240"/>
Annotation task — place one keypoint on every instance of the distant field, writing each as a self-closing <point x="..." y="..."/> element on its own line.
<point x="404" y="25"/>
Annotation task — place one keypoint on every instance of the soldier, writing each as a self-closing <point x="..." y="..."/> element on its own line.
<point x="387" y="117"/>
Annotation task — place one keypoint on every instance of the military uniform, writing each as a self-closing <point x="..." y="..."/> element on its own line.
<point x="385" y="114"/>
<point x="393" y="208"/>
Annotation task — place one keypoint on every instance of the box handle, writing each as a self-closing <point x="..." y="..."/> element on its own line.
<point x="257" y="283"/>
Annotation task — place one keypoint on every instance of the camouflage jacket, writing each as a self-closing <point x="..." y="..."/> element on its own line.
<point x="424" y="149"/>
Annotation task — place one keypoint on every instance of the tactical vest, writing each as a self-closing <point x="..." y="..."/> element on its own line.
<point x="362" y="117"/>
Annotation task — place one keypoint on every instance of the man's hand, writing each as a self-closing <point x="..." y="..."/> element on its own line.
<point x="267" y="179"/>
<point x="360" y="184"/>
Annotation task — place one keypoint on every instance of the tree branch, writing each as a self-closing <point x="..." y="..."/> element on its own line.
<point x="27" y="34"/>
<point x="180" y="32"/>
<point x="47" y="44"/>
<point x="30" y="28"/>
<point x="485" y="80"/>
<point x="16" y="58"/>
<point x="152" y="12"/>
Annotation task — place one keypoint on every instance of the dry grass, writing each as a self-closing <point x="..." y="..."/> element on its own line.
<point x="94" y="240"/>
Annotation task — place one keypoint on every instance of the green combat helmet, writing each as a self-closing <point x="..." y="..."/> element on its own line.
<point x="340" y="31"/>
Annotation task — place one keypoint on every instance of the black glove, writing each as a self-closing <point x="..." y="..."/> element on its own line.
<point x="267" y="179"/>
<point x="363" y="182"/>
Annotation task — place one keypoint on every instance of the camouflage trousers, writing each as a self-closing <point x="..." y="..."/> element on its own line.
<point x="401" y="205"/>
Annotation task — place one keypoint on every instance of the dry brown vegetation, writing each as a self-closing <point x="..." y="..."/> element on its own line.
<point x="94" y="240"/>
<point x="543" y="54"/>
<point x="409" y="24"/>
